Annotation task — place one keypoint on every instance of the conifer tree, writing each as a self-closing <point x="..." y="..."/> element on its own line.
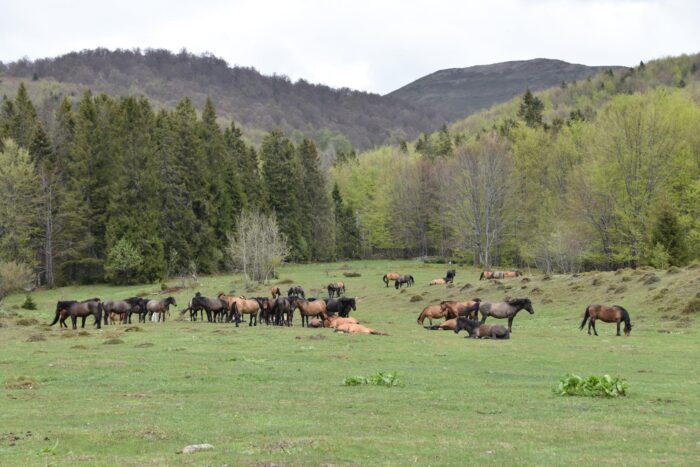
<point x="347" y="234"/>
<point x="531" y="109"/>
<point x="25" y="119"/>
<point x="246" y="167"/>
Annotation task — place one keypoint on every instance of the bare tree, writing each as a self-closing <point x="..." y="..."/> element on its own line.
<point x="257" y="247"/>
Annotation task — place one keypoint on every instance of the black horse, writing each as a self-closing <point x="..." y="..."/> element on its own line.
<point x="296" y="291"/>
<point x="62" y="313"/>
<point x="283" y="311"/>
<point x="215" y="308"/>
<point x="138" y="306"/>
<point x="450" y="276"/>
<point x="408" y="280"/>
<point x="340" y="306"/>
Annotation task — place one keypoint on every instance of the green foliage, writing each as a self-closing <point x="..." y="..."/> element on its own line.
<point x="379" y="379"/>
<point x="124" y="263"/>
<point x="668" y="238"/>
<point x="29" y="303"/>
<point x="14" y="277"/>
<point x="593" y="386"/>
<point x="531" y="109"/>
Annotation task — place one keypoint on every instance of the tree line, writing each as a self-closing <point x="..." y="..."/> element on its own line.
<point x="115" y="190"/>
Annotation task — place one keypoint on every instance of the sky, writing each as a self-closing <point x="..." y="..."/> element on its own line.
<point x="371" y="45"/>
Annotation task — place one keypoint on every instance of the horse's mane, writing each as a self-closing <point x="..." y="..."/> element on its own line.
<point x="625" y="317"/>
<point x="91" y="300"/>
<point x="518" y="301"/>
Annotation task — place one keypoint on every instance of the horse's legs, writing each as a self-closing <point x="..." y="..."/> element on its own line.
<point x="483" y="317"/>
<point x="590" y="323"/>
<point x="84" y="318"/>
<point x="595" y="331"/>
<point x="74" y="319"/>
<point x="510" y="323"/>
<point x="618" y="327"/>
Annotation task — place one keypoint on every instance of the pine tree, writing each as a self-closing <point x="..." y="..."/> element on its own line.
<point x="444" y="142"/>
<point x="531" y="109"/>
<point x="319" y="231"/>
<point x="25" y="119"/>
<point x="246" y="167"/>
<point x="279" y="171"/>
<point x="668" y="233"/>
<point x="347" y="235"/>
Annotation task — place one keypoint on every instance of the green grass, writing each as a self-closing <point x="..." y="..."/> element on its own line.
<point x="276" y="395"/>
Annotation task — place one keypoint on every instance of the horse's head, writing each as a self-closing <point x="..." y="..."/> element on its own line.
<point x="522" y="304"/>
<point x="171" y="301"/>
<point x="628" y="329"/>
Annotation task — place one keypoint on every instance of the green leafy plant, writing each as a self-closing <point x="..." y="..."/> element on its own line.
<point x="29" y="303"/>
<point x="379" y="379"/>
<point x="593" y="386"/>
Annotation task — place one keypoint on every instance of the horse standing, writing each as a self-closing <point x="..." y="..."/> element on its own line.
<point x="392" y="276"/>
<point x="275" y="292"/>
<point x="341" y="306"/>
<point x="160" y="307"/>
<point x="62" y="313"/>
<point x="296" y="291"/>
<point x="607" y="314"/>
<point x="431" y="312"/>
<point x="336" y="288"/>
<point x="307" y="308"/>
<point x="122" y="308"/>
<point x="407" y="279"/>
<point x="503" y="310"/>
<point x="283" y="311"/>
<point x="454" y="309"/>
<point x="241" y="306"/>
<point x="92" y="306"/>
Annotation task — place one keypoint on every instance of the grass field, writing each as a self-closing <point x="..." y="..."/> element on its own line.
<point x="270" y="395"/>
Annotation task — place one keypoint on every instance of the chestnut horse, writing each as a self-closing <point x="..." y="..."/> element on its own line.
<point x="478" y="330"/>
<point x="358" y="329"/>
<point x="438" y="282"/>
<point x="431" y="312"/>
<point x="509" y="274"/>
<point x="316" y="308"/>
<point x="447" y="325"/>
<point x="243" y="306"/>
<point x="607" y="314"/>
<point x="275" y="292"/>
<point x="335" y="321"/>
<point x="392" y="276"/>
<point x="453" y="309"/>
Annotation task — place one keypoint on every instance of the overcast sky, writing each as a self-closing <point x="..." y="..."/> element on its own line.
<point x="373" y="45"/>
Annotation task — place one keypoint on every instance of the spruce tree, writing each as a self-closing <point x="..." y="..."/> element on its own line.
<point x="347" y="234"/>
<point x="668" y="233"/>
<point x="531" y="109"/>
<point x="316" y="205"/>
<point x="246" y="166"/>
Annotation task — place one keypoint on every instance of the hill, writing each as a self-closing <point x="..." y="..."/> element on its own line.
<point x="458" y="92"/>
<point x="241" y="94"/>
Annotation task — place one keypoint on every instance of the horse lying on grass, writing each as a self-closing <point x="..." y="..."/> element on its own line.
<point x="479" y="330"/>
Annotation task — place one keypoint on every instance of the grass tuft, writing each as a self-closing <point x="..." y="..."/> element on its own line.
<point x="593" y="386"/>
<point x="26" y="322"/>
<point x="113" y="341"/>
<point x="693" y="306"/>
<point x="20" y="382"/>
<point x="352" y="274"/>
<point x="36" y="338"/>
<point x="416" y="298"/>
<point x="380" y="379"/>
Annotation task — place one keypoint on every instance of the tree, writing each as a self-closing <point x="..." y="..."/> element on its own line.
<point x="530" y="110"/>
<point x="124" y="263"/>
<point x="19" y="205"/>
<point x="246" y="169"/>
<point x="670" y="236"/>
<point x="258" y="246"/>
<point x="347" y="235"/>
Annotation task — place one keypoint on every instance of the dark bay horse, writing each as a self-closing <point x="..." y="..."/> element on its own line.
<point x="119" y="307"/>
<point x="478" y="330"/>
<point x="340" y="306"/>
<point x="296" y="291"/>
<point x="215" y="308"/>
<point x="607" y="314"/>
<point x="84" y="309"/>
<point x="392" y="276"/>
<point x="407" y="279"/>
<point x="62" y="313"/>
<point x="450" y="276"/>
<point x="282" y="311"/>
<point x="138" y="306"/>
<point x="503" y="310"/>
<point x="336" y="288"/>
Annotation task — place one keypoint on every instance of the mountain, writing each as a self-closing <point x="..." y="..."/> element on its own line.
<point x="241" y="94"/>
<point x="458" y="92"/>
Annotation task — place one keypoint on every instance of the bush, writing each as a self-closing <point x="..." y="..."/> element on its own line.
<point x="29" y="303"/>
<point x="124" y="263"/>
<point x="416" y="298"/>
<point x="593" y="386"/>
<point x="352" y="274"/>
<point x="380" y="379"/>
<point x="14" y="277"/>
<point x="693" y="306"/>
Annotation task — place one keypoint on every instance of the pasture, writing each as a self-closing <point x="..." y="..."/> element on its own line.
<point x="136" y="394"/>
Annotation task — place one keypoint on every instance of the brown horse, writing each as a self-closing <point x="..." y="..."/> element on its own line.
<point x="607" y="314"/>
<point x="336" y="288"/>
<point x="358" y="329"/>
<point x="315" y="308"/>
<point x="453" y="309"/>
<point x="121" y="308"/>
<point x="509" y="274"/>
<point x="335" y="321"/>
<point x="478" y="330"/>
<point x="84" y="309"/>
<point x="62" y="313"/>
<point x="431" y="312"/>
<point x="486" y="275"/>
<point x="275" y="292"/>
<point x="503" y="310"/>
<point x="392" y="276"/>
<point x="243" y="305"/>
<point x="447" y="325"/>
<point x="161" y="307"/>
<point x="438" y="282"/>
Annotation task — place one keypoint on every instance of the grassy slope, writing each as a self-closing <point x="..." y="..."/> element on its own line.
<point x="262" y="395"/>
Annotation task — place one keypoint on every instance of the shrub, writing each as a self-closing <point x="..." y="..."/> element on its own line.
<point x="124" y="263"/>
<point x="29" y="303"/>
<point x="593" y="386"/>
<point x="379" y="379"/>
<point x="416" y="298"/>
<point x="14" y="277"/>
<point x="352" y="274"/>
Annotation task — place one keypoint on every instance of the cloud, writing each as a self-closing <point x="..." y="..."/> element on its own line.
<point x="375" y="45"/>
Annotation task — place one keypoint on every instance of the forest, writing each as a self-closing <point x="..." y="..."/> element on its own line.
<point x="595" y="174"/>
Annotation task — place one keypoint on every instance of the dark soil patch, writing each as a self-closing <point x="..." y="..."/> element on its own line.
<point x="83" y="333"/>
<point x="133" y="329"/>
<point x="546" y="277"/>
<point x="81" y="347"/>
<point x="27" y="322"/>
<point x="536" y="291"/>
<point x="285" y="281"/>
<point x="525" y="279"/>
<point x="36" y="338"/>
<point x="416" y="298"/>
<point x="113" y="341"/>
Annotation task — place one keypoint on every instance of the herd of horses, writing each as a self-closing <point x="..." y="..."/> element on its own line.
<point x="334" y="311"/>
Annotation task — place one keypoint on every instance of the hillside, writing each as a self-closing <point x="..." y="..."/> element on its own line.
<point x="458" y="92"/>
<point x="239" y="93"/>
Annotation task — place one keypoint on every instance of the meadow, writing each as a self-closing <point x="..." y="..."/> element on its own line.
<point x="137" y="394"/>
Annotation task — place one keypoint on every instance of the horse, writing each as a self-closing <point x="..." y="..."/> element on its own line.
<point x="282" y="311"/>
<point x="504" y="309"/>
<point x="242" y="306"/>
<point x="431" y="312"/>
<point x="455" y="309"/>
<point x="62" y="313"/>
<point x="438" y="282"/>
<point x="122" y="308"/>
<point x="334" y="321"/>
<point x="447" y="325"/>
<point x="392" y="276"/>
<point x="479" y="330"/>
<point x="357" y="329"/>
<point x="138" y="306"/>
<point x="407" y="279"/>
<point x="337" y="288"/>
<point x="341" y="306"/>
<point x="92" y="306"/>
<point x="306" y="308"/>
<point x="509" y="274"/>
<point x="160" y="307"/>
<point x="492" y="275"/>
<point x="275" y="292"/>
<point x="450" y="276"/>
<point x="213" y="307"/>
<point x="296" y="291"/>
<point x="607" y="314"/>
<point x="193" y="307"/>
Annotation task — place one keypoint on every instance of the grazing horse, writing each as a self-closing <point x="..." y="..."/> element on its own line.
<point x="392" y="276"/>
<point x="407" y="279"/>
<point x="450" y="276"/>
<point x="62" y="313"/>
<point x="607" y="314"/>
<point x="438" y="282"/>
<point x="283" y="311"/>
<point x="431" y="312"/>
<point x="453" y="309"/>
<point x="138" y="306"/>
<point x="479" y="330"/>
<point x="504" y="309"/>
<point x="336" y="288"/>
<point x="193" y="307"/>
<point x="214" y="308"/>
<point x="84" y="309"/>
<point x="122" y="308"/>
<point x="341" y="306"/>
<point x="492" y="275"/>
<point x="242" y="306"/>
<point x="307" y="308"/>
<point x="275" y="292"/>
<point x="447" y="325"/>
<point x="161" y="307"/>
<point x="296" y="291"/>
<point x="509" y="274"/>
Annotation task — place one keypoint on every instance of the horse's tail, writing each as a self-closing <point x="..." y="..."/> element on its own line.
<point x="481" y="277"/>
<point x="421" y="317"/>
<point x="100" y="312"/>
<point x="625" y="316"/>
<point x="585" y="318"/>
<point x="386" y="280"/>
<point x="55" y="319"/>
